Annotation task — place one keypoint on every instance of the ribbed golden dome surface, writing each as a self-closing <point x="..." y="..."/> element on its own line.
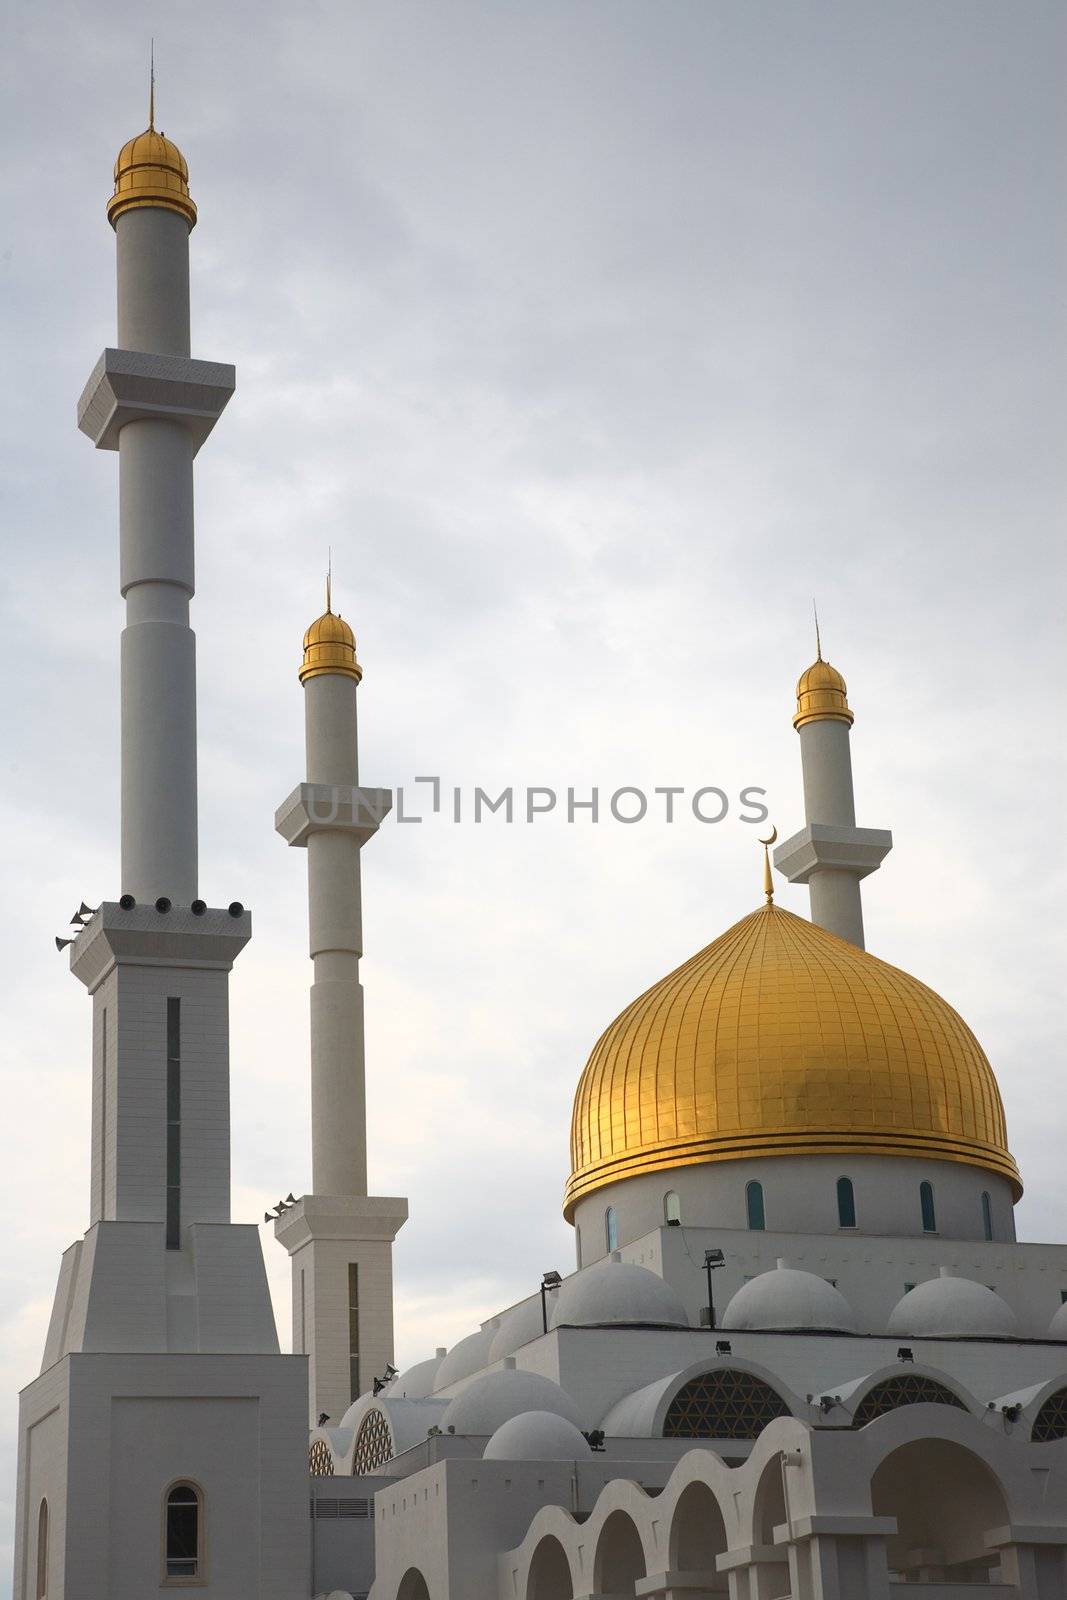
<point x="781" y="1039"/>
<point x="822" y="694"/>
<point x="330" y="646"/>
<point x="151" y="171"/>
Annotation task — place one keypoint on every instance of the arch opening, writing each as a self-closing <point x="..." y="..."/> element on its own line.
<point x="945" y="1500"/>
<point x="374" y="1444"/>
<point x="987" y="1216"/>
<point x="926" y="1206"/>
<point x="723" y="1403"/>
<point x="413" y="1586"/>
<point x="620" y="1556"/>
<point x="550" y="1573"/>
<point x="672" y="1208"/>
<point x="611" y="1229"/>
<point x="909" y="1389"/>
<point x="1051" y="1420"/>
<point x="754" y="1207"/>
<point x="698" y="1537"/>
<point x="320" y="1459"/>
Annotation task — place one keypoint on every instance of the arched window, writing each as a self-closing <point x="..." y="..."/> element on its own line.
<point x="1051" y="1421"/>
<point x="723" y="1404"/>
<point x="42" y="1551"/>
<point x="987" y="1215"/>
<point x="611" y="1229"/>
<point x="374" y="1445"/>
<point x="846" y="1203"/>
<point x="578" y="1247"/>
<point x="926" y="1205"/>
<point x="757" y="1218"/>
<point x="910" y="1389"/>
<point x="672" y="1208"/>
<point x="183" y="1533"/>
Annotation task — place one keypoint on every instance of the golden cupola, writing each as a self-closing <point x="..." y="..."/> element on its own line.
<point x="781" y="1039"/>
<point x="330" y="646"/>
<point x="150" y="170"/>
<point x="822" y="695"/>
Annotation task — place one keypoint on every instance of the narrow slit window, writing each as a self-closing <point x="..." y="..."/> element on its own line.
<point x="353" y="1330"/>
<point x="846" y="1203"/>
<point x="611" y="1229"/>
<point x="174" y="1124"/>
<point x="102" y="1155"/>
<point x="672" y="1207"/>
<point x="42" y="1551"/>
<point x="926" y="1206"/>
<point x="757" y="1216"/>
<point x="184" y="1532"/>
<point x="987" y="1215"/>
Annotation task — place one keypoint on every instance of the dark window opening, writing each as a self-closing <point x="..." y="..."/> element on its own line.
<point x="926" y="1205"/>
<point x="353" y="1330"/>
<point x="723" y="1404"/>
<point x="757" y="1217"/>
<point x="183" y="1532"/>
<point x="846" y="1203"/>
<point x="987" y="1216"/>
<point x="174" y="1124"/>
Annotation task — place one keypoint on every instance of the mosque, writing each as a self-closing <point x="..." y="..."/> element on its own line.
<point x="802" y="1355"/>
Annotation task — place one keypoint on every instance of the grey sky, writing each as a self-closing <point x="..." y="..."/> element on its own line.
<point x="595" y="338"/>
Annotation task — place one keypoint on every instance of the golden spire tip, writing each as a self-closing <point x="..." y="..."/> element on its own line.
<point x="818" y="641"/>
<point x="329" y="577"/>
<point x="768" y="880"/>
<point x="152" y="86"/>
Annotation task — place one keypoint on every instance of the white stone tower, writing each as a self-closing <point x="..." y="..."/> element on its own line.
<point x="830" y="854"/>
<point x="163" y="1442"/>
<point x="340" y="1238"/>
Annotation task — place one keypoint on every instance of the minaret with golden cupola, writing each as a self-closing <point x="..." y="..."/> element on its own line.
<point x="161" y="1365"/>
<point x="830" y="853"/>
<point x="339" y="1237"/>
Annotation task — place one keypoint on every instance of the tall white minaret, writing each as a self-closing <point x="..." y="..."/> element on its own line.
<point x="161" y="1361"/>
<point x="340" y="1239"/>
<point x="830" y="854"/>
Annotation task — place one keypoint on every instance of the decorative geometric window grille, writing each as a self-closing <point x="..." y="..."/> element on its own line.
<point x="1051" y="1420"/>
<point x="320" y="1460"/>
<point x="911" y="1389"/>
<point x="374" y="1445"/>
<point x="723" y="1404"/>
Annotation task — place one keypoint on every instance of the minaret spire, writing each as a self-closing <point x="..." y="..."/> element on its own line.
<point x="830" y="854"/>
<point x="152" y="87"/>
<point x="818" y="640"/>
<point x="339" y="1237"/>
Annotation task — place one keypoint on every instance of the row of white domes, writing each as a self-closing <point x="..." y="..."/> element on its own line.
<point x="616" y="1293"/>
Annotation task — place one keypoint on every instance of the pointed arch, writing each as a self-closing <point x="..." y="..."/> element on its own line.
<point x="42" y="1551"/>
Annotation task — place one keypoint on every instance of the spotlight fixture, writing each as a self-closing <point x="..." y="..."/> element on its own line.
<point x="77" y="920"/>
<point x="61" y="944"/>
<point x="712" y="1259"/>
<point x="87" y="911"/>
<point x="324" y="1417"/>
<point x="235" y="908"/>
<point x="127" y="902"/>
<point x="163" y="905"/>
<point x="1011" y="1413"/>
<point x="291" y="1198"/>
<point x="198" y="908"/>
<point x="827" y="1402"/>
<point x="594" y="1439"/>
<point x="723" y="1347"/>
<point x="391" y="1372"/>
<point x="549" y="1280"/>
<point x="905" y="1353"/>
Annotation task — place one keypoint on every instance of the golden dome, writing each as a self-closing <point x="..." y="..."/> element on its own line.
<point x="151" y="171"/>
<point x="822" y="695"/>
<point x="781" y="1039"/>
<point x="330" y="646"/>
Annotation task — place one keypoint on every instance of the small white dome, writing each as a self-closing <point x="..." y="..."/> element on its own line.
<point x="787" y="1299"/>
<point x="536" y="1436"/>
<point x="619" y="1294"/>
<point x="952" y="1308"/>
<point x="1057" y="1328"/>
<point x="517" y="1329"/>
<point x="469" y="1355"/>
<point x="416" y="1382"/>
<point x="498" y="1396"/>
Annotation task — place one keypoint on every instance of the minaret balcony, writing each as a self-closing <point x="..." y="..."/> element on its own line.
<point x="131" y="385"/>
<point x="822" y="846"/>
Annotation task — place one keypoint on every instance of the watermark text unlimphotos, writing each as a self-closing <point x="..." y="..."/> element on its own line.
<point x="428" y="797"/>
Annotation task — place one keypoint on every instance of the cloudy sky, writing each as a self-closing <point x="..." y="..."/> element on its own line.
<point x="595" y="337"/>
